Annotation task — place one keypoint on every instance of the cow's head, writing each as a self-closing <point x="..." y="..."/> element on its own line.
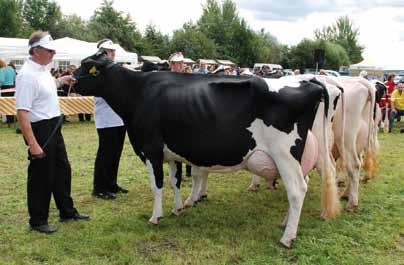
<point x="89" y="75"/>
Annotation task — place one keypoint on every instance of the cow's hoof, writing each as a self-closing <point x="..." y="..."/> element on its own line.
<point x="203" y="198"/>
<point x="287" y="243"/>
<point x="253" y="188"/>
<point x="351" y="207"/>
<point x="155" y="220"/>
<point x="189" y="204"/>
<point x="177" y="212"/>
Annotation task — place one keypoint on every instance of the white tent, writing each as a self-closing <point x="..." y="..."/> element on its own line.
<point x="68" y="51"/>
<point x="373" y="70"/>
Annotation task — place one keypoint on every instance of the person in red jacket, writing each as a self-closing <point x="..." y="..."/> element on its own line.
<point x="386" y="99"/>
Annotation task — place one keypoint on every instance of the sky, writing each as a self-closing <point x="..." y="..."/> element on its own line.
<point x="380" y="22"/>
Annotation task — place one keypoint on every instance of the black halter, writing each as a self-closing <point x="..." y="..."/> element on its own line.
<point x="96" y="73"/>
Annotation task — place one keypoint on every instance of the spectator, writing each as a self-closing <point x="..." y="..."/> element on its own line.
<point x="111" y="137"/>
<point x="176" y="61"/>
<point x="397" y="104"/>
<point x="322" y="72"/>
<point x="39" y="115"/>
<point x="202" y="69"/>
<point x="7" y="83"/>
<point x="266" y="71"/>
<point x="257" y="71"/>
<point x="212" y="68"/>
<point x="296" y="72"/>
<point x="385" y="101"/>
<point x="188" y="69"/>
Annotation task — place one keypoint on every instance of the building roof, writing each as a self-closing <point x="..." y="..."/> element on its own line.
<point x="188" y="61"/>
<point x="207" y="61"/>
<point x="225" y="62"/>
<point x="154" y="59"/>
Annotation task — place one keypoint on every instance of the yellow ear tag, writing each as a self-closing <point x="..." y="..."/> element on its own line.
<point x="93" y="70"/>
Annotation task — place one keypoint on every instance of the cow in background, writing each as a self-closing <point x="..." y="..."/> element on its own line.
<point x="213" y="123"/>
<point x="360" y="136"/>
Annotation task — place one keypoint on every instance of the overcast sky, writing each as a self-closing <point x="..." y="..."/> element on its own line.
<point x="380" y="22"/>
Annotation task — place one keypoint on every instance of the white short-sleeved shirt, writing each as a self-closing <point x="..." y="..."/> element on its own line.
<point x="104" y="116"/>
<point x="36" y="92"/>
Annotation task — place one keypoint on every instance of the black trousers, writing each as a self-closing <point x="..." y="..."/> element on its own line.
<point x="110" y="145"/>
<point x="49" y="175"/>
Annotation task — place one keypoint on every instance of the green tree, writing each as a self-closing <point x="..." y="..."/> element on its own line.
<point x="74" y="27"/>
<point x="233" y="38"/>
<point x="193" y="43"/>
<point x="344" y="33"/>
<point x="155" y="43"/>
<point x="10" y="18"/>
<point x="109" y="23"/>
<point x="301" y="55"/>
<point x="41" y="14"/>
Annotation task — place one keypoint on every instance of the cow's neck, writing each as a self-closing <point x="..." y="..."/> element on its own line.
<point x="120" y="92"/>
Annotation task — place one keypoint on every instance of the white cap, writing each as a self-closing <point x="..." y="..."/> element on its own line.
<point x="45" y="42"/>
<point x="176" y="57"/>
<point x="108" y="45"/>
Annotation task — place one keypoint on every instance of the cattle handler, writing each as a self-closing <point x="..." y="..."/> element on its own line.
<point x="39" y="115"/>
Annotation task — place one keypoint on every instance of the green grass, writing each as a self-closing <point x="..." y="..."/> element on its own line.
<point x="232" y="227"/>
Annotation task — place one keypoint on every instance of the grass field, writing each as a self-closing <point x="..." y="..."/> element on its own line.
<point x="232" y="227"/>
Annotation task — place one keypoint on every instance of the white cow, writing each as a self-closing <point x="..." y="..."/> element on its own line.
<point x="360" y="135"/>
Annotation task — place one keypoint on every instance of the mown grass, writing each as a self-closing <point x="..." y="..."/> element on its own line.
<point x="232" y="227"/>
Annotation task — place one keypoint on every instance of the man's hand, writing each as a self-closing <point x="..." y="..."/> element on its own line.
<point x="66" y="80"/>
<point x="36" y="151"/>
<point x="394" y="110"/>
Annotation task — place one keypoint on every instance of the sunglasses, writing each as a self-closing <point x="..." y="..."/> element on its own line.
<point x="47" y="50"/>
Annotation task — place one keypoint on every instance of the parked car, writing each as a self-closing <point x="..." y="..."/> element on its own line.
<point x="398" y="77"/>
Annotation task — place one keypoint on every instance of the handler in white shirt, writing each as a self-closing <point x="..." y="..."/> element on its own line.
<point x="111" y="137"/>
<point x="40" y="118"/>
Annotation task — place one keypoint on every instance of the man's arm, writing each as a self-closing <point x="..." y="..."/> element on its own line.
<point x="34" y="148"/>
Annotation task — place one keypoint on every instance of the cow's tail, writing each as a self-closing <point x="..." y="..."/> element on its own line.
<point x="329" y="194"/>
<point x="371" y="159"/>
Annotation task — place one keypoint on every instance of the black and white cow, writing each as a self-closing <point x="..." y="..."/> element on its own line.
<point x="213" y="123"/>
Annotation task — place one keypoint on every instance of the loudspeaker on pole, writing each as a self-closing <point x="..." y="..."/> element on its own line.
<point x="319" y="56"/>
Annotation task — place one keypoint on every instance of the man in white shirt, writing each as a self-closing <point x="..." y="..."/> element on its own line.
<point x="111" y="137"/>
<point x="39" y="116"/>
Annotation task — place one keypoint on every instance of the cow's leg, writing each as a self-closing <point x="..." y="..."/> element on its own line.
<point x="255" y="183"/>
<point x="175" y="179"/>
<point x="296" y="187"/>
<point x="155" y="168"/>
<point x="196" y="187"/>
<point x="352" y="190"/>
<point x="203" y="191"/>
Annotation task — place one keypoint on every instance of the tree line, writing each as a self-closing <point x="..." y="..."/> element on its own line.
<point x="219" y="33"/>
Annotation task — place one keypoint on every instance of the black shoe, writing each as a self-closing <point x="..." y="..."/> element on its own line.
<point x="76" y="216"/>
<point x="104" y="195"/>
<point x="120" y="190"/>
<point x="46" y="229"/>
<point x="18" y="131"/>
